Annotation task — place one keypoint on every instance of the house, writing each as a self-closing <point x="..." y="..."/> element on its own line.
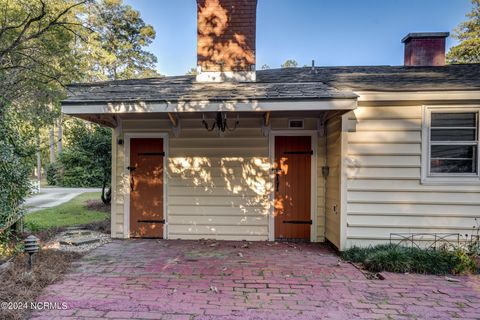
<point x="349" y="155"/>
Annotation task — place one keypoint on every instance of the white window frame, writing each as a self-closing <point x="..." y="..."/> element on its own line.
<point x="446" y="178"/>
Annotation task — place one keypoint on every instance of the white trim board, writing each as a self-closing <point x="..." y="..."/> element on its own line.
<point x="207" y="106"/>
<point x="126" y="209"/>
<point x="313" y="179"/>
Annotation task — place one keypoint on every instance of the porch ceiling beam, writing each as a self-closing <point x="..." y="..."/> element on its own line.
<point x="266" y="117"/>
<point x="173" y="119"/>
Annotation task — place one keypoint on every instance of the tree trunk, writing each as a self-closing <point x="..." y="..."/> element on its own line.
<point x="52" y="144"/>
<point x="39" y="160"/>
<point x="60" y="136"/>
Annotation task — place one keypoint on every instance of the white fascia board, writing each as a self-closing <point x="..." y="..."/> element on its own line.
<point x="206" y="106"/>
<point x="417" y="95"/>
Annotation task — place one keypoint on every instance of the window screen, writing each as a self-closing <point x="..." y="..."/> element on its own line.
<point x="453" y="143"/>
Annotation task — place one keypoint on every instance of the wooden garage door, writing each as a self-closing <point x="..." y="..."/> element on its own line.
<point x="292" y="187"/>
<point x="146" y="187"/>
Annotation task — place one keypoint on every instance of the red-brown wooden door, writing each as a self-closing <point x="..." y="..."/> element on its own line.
<point x="146" y="187"/>
<point x="292" y="187"/>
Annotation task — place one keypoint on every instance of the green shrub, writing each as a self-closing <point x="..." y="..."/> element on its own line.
<point x="14" y="173"/>
<point x="464" y="262"/>
<point x="86" y="162"/>
<point x="53" y="174"/>
<point x="9" y="244"/>
<point x="395" y="258"/>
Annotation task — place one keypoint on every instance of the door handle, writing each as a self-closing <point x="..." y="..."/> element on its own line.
<point x="132" y="184"/>
<point x="277" y="178"/>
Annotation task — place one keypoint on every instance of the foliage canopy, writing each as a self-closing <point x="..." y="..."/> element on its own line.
<point x="468" y="32"/>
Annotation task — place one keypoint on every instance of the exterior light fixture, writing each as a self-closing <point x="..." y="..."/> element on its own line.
<point x="31" y="247"/>
<point x="220" y="123"/>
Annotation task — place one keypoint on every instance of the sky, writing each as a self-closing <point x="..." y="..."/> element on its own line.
<point x="331" y="32"/>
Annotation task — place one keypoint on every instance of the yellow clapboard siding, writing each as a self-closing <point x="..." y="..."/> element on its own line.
<point x="384" y="161"/>
<point x="387" y="113"/>
<point x="218" y="152"/>
<point x="402" y="125"/>
<point x="228" y="175"/>
<point x="413" y="197"/>
<point x="387" y="149"/>
<point x="212" y="210"/>
<point x="383" y="173"/>
<point x="230" y="237"/>
<point x="332" y="198"/>
<point x="215" y="143"/>
<point x="235" y="190"/>
<point x="418" y="221"/>
<point x="385" y="137"/>
<point x="225" y="220"/>
<point x="214" y="229"/>
<point x="385" y="231"/>
<point x="217" y="200"/>
<point x="406" y="185"/>
<point x="411" y="208"/>
<point x="385" y="193"/>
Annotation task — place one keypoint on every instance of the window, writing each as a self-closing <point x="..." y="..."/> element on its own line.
<point x="452" y="143"/>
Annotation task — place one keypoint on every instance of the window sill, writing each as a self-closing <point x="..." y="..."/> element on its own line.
<point x="450" y="181"/>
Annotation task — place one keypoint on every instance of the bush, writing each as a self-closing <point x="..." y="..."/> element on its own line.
<point x="10" y="244"/>
<point x="53" y="174"/>
<point x="395" y="258"/>
<point x="86" y="160"/>
<point x="14" y="173"/>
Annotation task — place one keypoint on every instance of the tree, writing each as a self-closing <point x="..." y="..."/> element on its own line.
<point x="468" y="32"/>
<point x="265" y="67"/>
<point x="36" y="60"/>
<point x="290" y="63"/>
<point x="192" y="72"/>
<point x="116" y="48"/>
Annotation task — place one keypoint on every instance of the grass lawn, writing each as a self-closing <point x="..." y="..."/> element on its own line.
<point x="72" y="213"/>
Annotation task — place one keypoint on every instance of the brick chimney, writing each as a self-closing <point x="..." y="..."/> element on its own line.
<point x="226" y="40"/>
<point x="425" y="49"/>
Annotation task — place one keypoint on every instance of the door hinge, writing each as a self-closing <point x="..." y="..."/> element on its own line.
<point x="325" y="171"/>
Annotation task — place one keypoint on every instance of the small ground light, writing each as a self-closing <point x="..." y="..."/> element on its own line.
<point x="31" y="247"/>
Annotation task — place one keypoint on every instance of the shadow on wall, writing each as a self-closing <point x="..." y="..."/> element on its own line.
<point x="227" y="182"/>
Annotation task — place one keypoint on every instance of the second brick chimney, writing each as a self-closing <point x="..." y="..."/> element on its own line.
<point x="425" y="49"/>
<point x="226" y="40"/>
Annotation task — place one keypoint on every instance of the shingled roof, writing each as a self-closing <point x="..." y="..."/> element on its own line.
<point x="284" y="84"/>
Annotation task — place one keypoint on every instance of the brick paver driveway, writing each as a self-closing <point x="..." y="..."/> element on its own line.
<point x="149" y="279"/>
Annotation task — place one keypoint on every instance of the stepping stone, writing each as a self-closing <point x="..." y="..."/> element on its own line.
<point x="78" y="232"/>
<point x="78" y="241"/>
